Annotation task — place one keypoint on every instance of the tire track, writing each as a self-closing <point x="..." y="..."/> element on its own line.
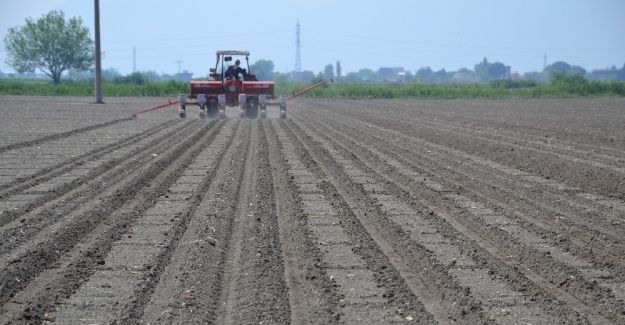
<point x="129" y="271"/>
<point x="23" y="262"/>
<point x="313" y="295"/>
<point x="572" y="301"/>
<point x="253" y="288"/>
<point x="194" y="297"/>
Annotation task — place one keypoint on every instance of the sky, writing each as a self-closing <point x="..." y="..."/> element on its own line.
<point x="450" y="34"/>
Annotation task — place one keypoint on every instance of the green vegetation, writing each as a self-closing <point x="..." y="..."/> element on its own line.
<point x="563" y="85"/>
<point x="85" y="88"/>
<point x="497" y="89"/>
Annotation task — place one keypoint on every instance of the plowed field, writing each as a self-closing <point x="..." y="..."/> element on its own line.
<point x="349" y="211"/>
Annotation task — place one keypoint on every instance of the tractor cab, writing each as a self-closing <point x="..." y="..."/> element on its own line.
<point x="222" y="72"/>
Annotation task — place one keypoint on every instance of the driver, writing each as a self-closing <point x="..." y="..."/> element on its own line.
<point x="235" y="70"/>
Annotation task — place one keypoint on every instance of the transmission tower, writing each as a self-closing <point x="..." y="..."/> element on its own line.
<point x="134" y="59"/>
<point x="298" y="43"/>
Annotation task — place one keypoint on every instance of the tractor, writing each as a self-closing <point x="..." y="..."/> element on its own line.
<point x="224" y="88"/>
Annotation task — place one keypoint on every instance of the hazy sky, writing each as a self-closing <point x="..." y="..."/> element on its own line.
<point x="410" y="33"/>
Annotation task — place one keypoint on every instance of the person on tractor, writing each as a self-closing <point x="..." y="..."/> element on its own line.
<point x="233" y="71"/>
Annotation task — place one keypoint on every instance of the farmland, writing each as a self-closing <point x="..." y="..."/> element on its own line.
<point x="349" y="211"/>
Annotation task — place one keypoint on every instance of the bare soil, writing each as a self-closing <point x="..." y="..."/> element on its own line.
<point x="349" y="211"/>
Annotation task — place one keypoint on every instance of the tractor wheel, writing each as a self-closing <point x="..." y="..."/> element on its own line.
<point x="251" y="109"/>
<point x="212" y="109"/>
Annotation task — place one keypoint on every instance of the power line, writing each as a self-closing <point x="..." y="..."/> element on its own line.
<point x="199" y="37"/>
<point x="404" y="41"/>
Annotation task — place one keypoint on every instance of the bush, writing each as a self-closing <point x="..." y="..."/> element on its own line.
<point x="513" y="84"/>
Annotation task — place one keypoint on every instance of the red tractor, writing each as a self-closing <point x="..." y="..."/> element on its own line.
<point x="231" y="87"/>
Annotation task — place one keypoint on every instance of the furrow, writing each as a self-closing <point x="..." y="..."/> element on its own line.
<point x="375" y="236"/>
<point x="65" y="167"/>
<point x="127" y="275"/>
<point x="313" y="295"/>
<point x="189" y="288"/>
<point x="63" y="135"/>
<point x="584" y="253"/>
<point x="499" y="300"/>
<point x="25" y="261"/>
<point x="362" y="299"/>
<point x="546" y="247"/>
<point x="477" y="210"/>
<point x="544" y="145"/>
<point x="577" y="207"/>
<point x="599" y="177"/>
<point x="254" y="288"/>
<point x="58" y="211"/>
<point x="51" y="184"/>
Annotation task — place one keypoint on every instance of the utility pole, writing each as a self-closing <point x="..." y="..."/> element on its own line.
<point x="544" y="61"/>
<point x="179" y="62"/>
<point x="134" y="59"/>
<point x="98" y="62"/>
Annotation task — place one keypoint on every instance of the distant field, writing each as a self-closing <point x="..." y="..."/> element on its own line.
<point x="503" y="90"/>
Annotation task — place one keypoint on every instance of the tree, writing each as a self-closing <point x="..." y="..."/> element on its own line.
<point x="487" y="71"/>
<point x="50" y="44"/>
<point x="328" y="71"/>
<point x="424" y="74"/>
<point x="563" y="67"/>
<point x="338" y="70"/>
<point x="263" y="69"/>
